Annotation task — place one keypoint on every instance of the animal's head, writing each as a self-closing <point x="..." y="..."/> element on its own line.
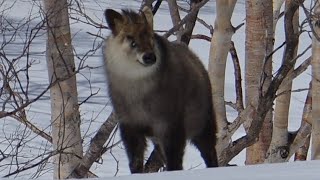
<point x="134" y="32"/>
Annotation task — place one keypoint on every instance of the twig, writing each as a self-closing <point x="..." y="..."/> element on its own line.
<point x="201" y="21"/>
<point x="201" y="36"/>
<point x="186" y="18"/>
<point x="96" y="146"/>
<point x="156" y="7"/>
<point x="238" y="79"/>
<point x="309" y="19"/>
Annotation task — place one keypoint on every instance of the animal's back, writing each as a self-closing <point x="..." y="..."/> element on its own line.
<point x="192" y="87"/>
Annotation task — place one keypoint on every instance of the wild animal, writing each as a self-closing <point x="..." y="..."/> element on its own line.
<point x="159" y="90"/>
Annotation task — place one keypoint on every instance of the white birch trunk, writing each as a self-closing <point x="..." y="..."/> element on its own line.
<point x="276" y="12"/>
<point x="65" y="116"/>
<point x="301" y="143"/>
<point x="278" y="150"/>
<point x="315" y="143"/>
<point x="175" y="16"/>
<point x="220" y="44"/>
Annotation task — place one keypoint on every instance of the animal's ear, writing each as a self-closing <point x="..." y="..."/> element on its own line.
<point x="114" y="20"/>
<point x="148" y="15"/>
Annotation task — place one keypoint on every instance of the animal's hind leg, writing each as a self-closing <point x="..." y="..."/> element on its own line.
<point x="135" y="144"/>
<point x="205" y="142"/>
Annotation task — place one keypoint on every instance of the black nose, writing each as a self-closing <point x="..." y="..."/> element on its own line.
<point x="149" y="58"/>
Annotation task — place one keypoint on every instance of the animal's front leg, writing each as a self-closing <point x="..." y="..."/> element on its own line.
<point x="174" y="145"/>
<point x="135" y="144"/>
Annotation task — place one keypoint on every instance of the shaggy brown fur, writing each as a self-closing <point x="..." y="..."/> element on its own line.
<point x="159" y="90"/>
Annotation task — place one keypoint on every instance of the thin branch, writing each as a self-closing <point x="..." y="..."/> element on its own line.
<point x="201" y="21"/>
<point x="309" y="19"/>
<point x="243" y="115"/>
<point x="96" y="146"/>
<point x="155" y="161"/>
<point x="238" y="79"/>
<point x="27" y="167"/>
<point x="238" y="27"/>
<point x="186" y="18"/>
<point x="88" y="20"/>
<point x="298" y="71"/>
<point x="231" y="104"/>
<point x="201" y="36"/>
<point x="156" y="7"/>
<point x="289" y="91"/>
<point x="23" y="119"/>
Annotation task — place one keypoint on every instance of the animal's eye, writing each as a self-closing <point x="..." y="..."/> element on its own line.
<point x="133" y="43"/>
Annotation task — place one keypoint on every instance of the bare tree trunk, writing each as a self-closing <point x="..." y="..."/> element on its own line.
<point x="303" y="136"/>
<point x="220" y="45"/>
<point x="259" y="32"/>
<point x="279" y="147"/>
<point x="315" y="143"/>
<point x="265" y="100"/>
<point x="302" y="152"/>
<point x="65" y="115"/>
<point x="276" y="12"/>
<point x="300" y="144"/>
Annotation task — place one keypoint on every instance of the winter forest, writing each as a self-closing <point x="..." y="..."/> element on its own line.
<point x="56" y="118"/>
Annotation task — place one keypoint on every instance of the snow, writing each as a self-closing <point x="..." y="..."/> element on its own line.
<point x="285" y="171"/>
<point x="96" y="110"/>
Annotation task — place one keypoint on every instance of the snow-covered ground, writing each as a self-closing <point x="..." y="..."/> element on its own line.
<point x="286" y="171"/>
<point x="96" y="110"/>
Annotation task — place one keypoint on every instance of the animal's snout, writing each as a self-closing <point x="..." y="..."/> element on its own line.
<point x="149" y="58"/>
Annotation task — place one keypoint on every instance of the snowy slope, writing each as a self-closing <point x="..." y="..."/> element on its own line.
<point x="286" y="171"/>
